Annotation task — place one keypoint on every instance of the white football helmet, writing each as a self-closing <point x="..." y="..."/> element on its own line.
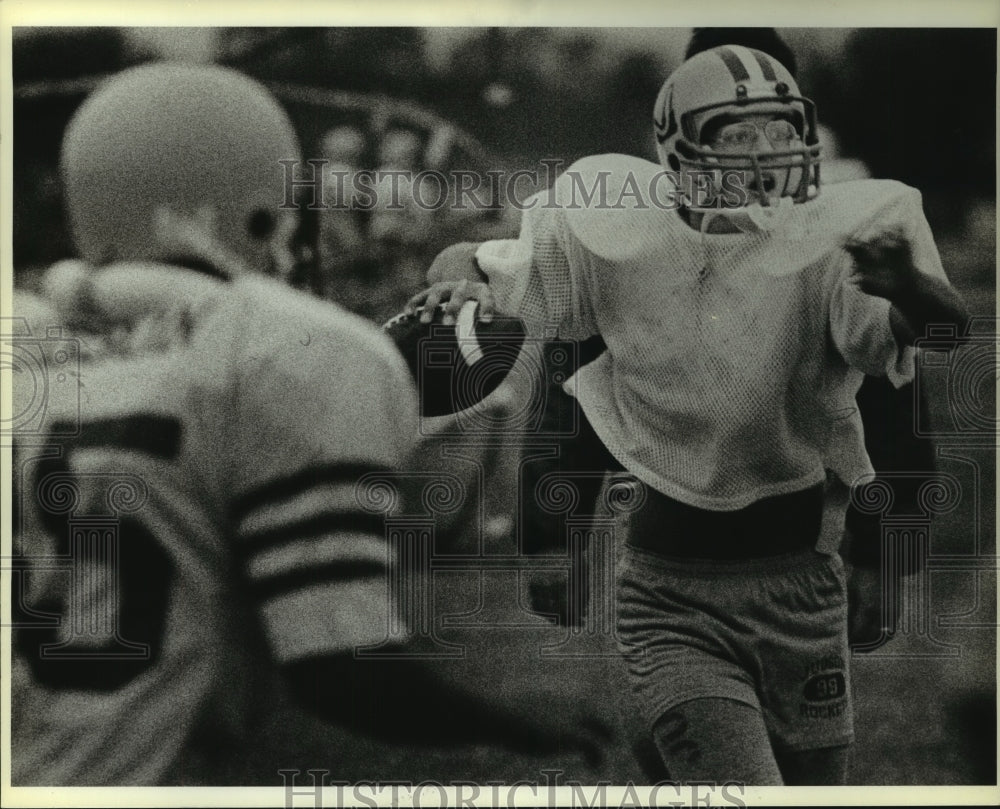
<point x="728" y="84"/>
<point x="200" y="142"/>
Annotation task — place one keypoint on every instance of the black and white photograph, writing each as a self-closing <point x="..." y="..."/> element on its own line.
<point x="522" y="406"/>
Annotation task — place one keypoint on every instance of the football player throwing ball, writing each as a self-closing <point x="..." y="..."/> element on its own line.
<point x="741" y="312"/>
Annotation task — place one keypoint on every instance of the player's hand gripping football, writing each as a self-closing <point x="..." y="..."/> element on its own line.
<point x="451" y="296"/>
<point x="455" y="278"/>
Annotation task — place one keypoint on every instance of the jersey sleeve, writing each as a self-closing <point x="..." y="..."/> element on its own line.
<point x="542" y="276"/>
<point x="319" y="407"/>
<point x="859" y="323"/>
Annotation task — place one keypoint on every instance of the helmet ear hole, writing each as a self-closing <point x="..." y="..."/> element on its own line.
<point x="673" y="162"/>
<point x="260" y="224"/>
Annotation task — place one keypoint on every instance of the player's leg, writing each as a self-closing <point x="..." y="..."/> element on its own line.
<point x="716" y="740"/>
<point x="815" y="768"/>
<point x="701" y="709"/>
<point x="802" y="665"/>
<point x="756" y="647"/>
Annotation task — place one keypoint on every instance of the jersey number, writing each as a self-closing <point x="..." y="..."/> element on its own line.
<point x="112" y="583"/>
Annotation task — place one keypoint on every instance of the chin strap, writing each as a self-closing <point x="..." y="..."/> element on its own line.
<point x="755" y="218"/>
<point x="768" y="218"/>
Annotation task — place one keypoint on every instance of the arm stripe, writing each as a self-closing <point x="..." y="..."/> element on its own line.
<point x="329" y="522"/>
<point x="154" y="435"/>
<point x="286" y="488"/>
<point x="330" y="573"/>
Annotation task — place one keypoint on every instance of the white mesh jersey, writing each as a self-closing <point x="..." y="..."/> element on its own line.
<point x="733" y="359"/>
<point x="192" y="525"/>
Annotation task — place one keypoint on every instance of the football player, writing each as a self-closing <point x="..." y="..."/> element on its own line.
<point x="583" y="459"/>
<point x="739" y="324"/>
<point x="189" y="539"/>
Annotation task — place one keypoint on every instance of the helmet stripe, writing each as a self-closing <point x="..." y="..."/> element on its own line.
<point x="736" y="67"/>
<point x="665" y="121"/>
<point x="765" y="66"/>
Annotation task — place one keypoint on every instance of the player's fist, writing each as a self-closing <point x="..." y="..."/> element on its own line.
<point x="883" y="265"/>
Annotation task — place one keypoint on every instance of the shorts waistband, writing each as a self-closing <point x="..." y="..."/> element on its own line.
<point x="774" y="526"/>
<point x="780" y="564"/>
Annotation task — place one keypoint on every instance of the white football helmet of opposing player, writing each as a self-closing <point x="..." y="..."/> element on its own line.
<point x="166" y="149"/>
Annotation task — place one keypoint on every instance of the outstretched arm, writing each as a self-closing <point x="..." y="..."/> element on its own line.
<point x="536" y="277"/>
<point x="884" y="267"/>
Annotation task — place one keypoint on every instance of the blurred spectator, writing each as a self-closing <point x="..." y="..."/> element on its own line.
<point x="342" y="241"/>
<point x="399" y="219"/>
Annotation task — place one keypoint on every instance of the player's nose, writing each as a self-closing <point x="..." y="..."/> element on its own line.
<point x="763" y="144"/>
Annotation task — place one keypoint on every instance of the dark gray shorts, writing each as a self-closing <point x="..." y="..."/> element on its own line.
<point x="771" y="633"/>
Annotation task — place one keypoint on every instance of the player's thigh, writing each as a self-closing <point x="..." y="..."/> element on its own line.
<point x="814" y="768"/>
<point x="717" y="740"/>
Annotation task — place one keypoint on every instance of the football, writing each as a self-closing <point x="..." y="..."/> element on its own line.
<point x="456" y="367"/>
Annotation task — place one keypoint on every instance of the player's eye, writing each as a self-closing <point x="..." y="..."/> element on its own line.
<point x="746" y="134"/>
<point x="780" y="132"/>
<point x="740" y="135"/>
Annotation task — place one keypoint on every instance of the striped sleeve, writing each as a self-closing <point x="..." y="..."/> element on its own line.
<point x="313" y="421"/>
<point x="315" y="563"/>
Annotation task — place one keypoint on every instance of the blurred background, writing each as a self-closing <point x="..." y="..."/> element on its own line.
<point x="915" y="105"/>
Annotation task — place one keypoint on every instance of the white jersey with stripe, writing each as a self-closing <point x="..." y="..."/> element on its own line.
<point x="733" y="359"/>
<point x="191" y="525"/>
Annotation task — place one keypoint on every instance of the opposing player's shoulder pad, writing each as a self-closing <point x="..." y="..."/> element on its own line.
<point x="617" y="205"/>
<point x="456" y="367"/>
<point x="309" y="383"/>
<point x="273" y="336"/>
<point x="297" y="318"/>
